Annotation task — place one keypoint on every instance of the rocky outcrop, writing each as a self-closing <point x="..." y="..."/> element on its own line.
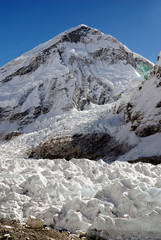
<point x="33" y="65"/>
<point x="92" y="146"/>
<point x="76" y="35"/>
<point x="12" y="135"/>
<point x="25" y="70"/>
<point x="145" y="131"/>
<point x="144" y="109"/>
<point x="143" y="126"/>
<point x="113" y="56"/>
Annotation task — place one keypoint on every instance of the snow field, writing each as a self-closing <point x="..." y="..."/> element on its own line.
<point x="83" y="194"/>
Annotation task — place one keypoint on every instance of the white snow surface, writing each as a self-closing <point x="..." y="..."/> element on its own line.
<point x="121" y="199"/>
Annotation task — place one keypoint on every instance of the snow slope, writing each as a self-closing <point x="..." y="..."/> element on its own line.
<point x="142" y="113"/>
<point x="143" y="109"/>
<point x="76" y="68"/>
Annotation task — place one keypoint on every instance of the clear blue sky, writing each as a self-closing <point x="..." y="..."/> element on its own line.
<point x="26" y="23"/>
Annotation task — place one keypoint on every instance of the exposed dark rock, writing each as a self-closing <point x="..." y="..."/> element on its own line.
<point x="120" y="109"/>
<point x="26" y="70"/>
<point x="158" y="104"/>
<point x="128" y="114"/>
<point x="11" y="135"/>
<point x="137" y="122"/>
<point x="145" y="124"/>
<point x="134" y="126"/>
<point x="37" y="111"/>
<point x="158" y="72"/>
<point x="19" y="116"/>
<point x="42" y="58"/>
<point x="93" y="146"/>
<point x="4" y="112"/>
<point x="7" y="136"/>
<point x="145" y="131"/>
<point x="155" y="160"/>
<point x="159" y="84"/>
<point x="135" y="118"/>
<point x="76" y="35"/>
<point x="46" y="108"/>
<point x="113" y="55"/>
<point x="129" y="106"/>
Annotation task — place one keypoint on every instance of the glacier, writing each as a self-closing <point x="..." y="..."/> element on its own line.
<point x="119" y="198"/>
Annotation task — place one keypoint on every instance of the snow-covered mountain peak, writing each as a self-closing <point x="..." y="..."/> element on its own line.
<point x="77" y="68"/>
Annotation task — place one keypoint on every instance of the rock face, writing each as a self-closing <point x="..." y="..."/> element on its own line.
<point x="92" y="146"/>
<point x="76" y="68"/>
<point x="144" y="109"/>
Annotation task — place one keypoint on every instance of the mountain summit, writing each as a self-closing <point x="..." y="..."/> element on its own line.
<point x="79" y="67"/>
